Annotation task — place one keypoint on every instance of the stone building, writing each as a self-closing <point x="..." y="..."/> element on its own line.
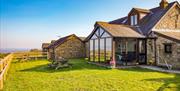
<point x="144" y="36"/>
<point x="68" y="47"/>
<point x="45" y="48"/>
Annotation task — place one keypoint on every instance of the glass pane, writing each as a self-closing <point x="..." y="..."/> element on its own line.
<point x="94" y="37"/>
<point x="108" y="48"/>
<point x="135" y="19"/>
<point x="141" y="46"/>
<point x="101" y="31"/>
<point x="122" y="47"/>
<point x="102" y="58"/>
<point x="132" y="20"/>
<point x="91" y="50"/>
<point x="106" y="35"/>
<point x="96" y="50"/>
<point x="131" y="45"/>
<point x="97" y="32"/>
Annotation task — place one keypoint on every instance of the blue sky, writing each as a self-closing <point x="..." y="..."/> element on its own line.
<point x="28" y="23"/>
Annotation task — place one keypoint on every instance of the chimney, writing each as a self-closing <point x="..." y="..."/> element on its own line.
<point x="163" y="4"/>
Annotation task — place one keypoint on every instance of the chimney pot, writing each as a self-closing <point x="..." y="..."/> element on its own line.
<point x="163" y="4"/>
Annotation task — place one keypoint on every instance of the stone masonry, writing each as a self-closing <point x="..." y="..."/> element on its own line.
<point x="171" y="21"/>
<point x="171" y="58"/>
<point x="71" y="48"/>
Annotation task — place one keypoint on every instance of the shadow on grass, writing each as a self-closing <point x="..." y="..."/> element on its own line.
<point x="75" y="65"/>
<point x="173" y="84"/>
<point x="137" y="69"/>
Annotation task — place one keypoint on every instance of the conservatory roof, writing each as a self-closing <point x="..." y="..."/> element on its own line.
<point x="117" y="30"/>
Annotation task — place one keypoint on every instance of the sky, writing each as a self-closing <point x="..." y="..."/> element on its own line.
<point x="29" y="23"/>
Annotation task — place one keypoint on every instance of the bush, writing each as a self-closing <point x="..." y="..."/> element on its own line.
<point x="59" y="63"/>
<point x="2" y="55"/>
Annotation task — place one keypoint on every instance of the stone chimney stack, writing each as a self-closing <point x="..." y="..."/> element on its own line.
<point x="163" y="4"/>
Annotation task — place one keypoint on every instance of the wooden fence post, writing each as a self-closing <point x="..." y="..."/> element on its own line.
<point x="5" y="64"/>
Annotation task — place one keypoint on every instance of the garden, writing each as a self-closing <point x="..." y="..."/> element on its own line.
<point x="35" y="75"/>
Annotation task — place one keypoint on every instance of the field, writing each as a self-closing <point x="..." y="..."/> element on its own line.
<point x="2" y="55"/>
<point x="36" y="76"/>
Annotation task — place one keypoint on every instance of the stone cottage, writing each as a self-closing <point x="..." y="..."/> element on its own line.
<point x="67" y="47"/>
<point x="144" y="36"/>
<point x="45" y="48"/>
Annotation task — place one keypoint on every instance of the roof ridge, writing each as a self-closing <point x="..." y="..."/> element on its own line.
<point x="120" y="25"/>
<point x="141" y="9"/>
<point x="168" y="4"/>
<point x="56" y="42"/>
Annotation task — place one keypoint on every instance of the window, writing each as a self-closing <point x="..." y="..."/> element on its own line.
<point x="142" y="46"/>
<point x="108" y="48"/>
<point x="134" y="19"/>
<point x="97" y="32"/>
<point x="131" y="45"/>
<point x="132" y="22"/>
<point x="102" y="58"/>
<point x="91" y="50"/>
<point x="168" y="48"/>
<point x="96" y="50"/>
<point x="100" y="46"/>
<point x="94" y="37"/>
<point x="105" y="35"/>
<point x="122" y="47"/>
<point x="101" y="31"/>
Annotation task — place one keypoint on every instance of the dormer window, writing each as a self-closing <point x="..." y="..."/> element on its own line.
<point x="136" y="14"/>
<point x="134" y="19"/>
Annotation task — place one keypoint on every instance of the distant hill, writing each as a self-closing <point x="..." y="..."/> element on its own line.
<point x="10" y="50"/>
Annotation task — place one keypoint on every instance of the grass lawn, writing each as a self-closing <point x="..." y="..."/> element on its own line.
<point x="2" y="55"/>
<point x="36" y="76"/>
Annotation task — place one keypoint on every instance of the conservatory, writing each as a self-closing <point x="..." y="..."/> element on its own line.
<point x="121" y="42"/>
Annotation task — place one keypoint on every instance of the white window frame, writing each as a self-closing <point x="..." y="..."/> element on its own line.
<point x="134" y="19"/>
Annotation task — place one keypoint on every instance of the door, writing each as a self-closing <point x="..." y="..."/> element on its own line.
<point x="142" y="51"/>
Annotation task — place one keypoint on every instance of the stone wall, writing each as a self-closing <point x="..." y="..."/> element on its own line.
<point x="171" y="20"/>
<point x="50" y="54"/>
<point x="71" y="48"/>
<point x="150" y="51"/>
<point x="171" y="58"/>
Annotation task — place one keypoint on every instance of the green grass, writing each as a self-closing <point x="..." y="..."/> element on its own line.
<point x="2" y="55"/>
<point x="36" y="76"/>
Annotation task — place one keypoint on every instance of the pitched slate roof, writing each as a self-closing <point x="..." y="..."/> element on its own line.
<point x="117" y="30"/>
<point x="171" y="34"/>
<point x="150" y="20"/>
<point x="123" y="20"/>
<point x="120" y="27"/>
<point x="52" y="41"/>
<point x="62" y="40"/>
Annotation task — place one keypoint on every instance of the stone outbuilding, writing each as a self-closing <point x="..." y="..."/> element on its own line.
<point x="67" y="47"/>
<point x="45" y="48"/>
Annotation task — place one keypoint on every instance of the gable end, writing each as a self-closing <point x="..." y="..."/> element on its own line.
<point x="171" y="20"/>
